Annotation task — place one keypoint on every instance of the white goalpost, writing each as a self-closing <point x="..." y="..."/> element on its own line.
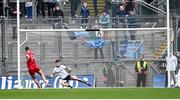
<point x="19" y="44"/>
<point x="168" y="37"/>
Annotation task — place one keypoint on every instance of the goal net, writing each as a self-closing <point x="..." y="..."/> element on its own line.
<point x="104" y="57"/>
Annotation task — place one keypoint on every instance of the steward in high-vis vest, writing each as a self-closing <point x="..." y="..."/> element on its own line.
<point x="141" y="70"/>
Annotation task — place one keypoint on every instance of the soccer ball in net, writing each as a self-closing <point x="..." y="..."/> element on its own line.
<point x="85" y="79"/>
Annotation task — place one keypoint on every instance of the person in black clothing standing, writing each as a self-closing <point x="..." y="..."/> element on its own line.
<point x="108" y="74"/>
<point x="130" y="5"/>
<point x="95" y="7"/>
<point x="178" y="69"/>
<point x="40" y="8"/>
<point x="58" y="14"/>
<point x="141" y="70"/>
<point x="74" y="7"/>
<point x="1" y="8"/>
<point x="50" y="4"/>
<point x="133" y="22"/>
<point x="14" y="21"/>
<point x="177" y="55"/>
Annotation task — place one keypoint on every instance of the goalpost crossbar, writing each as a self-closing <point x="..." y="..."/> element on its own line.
<point x="108" y="29"/>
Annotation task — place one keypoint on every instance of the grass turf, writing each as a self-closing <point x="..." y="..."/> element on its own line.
<point x="93" y="93"/>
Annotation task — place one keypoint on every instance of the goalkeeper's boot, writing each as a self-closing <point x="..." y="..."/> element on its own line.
<point x="85" y="82"/>
<point x="88" y="84"/>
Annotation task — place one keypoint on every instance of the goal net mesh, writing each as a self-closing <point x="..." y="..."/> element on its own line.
<point x="108" y="56"/>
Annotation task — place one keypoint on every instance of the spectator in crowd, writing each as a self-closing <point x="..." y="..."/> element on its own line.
<point x="13" y="9"/>
<point x="14" y="27"/>
<point x="178" y="69"/>
<point x="85" y="14"/>
<point x="74" y="7"/>
<point x="40" y="8"/>
<point x="29" y="10"/>
<point x="99" y="42"/>
<point x="105" y="74"/>
<point x="95" y="7"/>
<point x="114" y="7"/>
<point x="111" y="4"/>
<point x="1" y="9"/>
<point x="65" y="1"/>
<point x="121" y="14"/>
<point x="104" y="19"/>
<point x="141" y="70"/>
<point x="107" y="5"/>
<point x="51" y="4"/>
<point x="121" y="22"/>
<point x="133" y="22"/>
<point x="171" y="66"/>
<point x="7" y="8"/>
<point x="58" y="14"/>
<point x="177" y="54"/>
<point x="14" y="13"/>
<point x="22" y="8"/>
<point x="129" y="5"/>
<point x="109" y="78"/>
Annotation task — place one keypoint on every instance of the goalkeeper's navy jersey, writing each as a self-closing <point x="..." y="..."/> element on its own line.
<point x="61" y="71"/>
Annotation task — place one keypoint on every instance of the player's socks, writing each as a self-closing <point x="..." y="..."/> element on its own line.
<point x="37" y="83"/>
<point x="39" y="86"/>
<point x="82" y="81"/>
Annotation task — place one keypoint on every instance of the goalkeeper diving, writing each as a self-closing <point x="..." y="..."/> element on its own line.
<point x="63" y="71"/>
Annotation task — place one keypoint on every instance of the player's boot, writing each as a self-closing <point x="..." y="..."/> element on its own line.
<point x="70" y="86"/>
<point x="48" y="85"/>
<point x="85" y="82"/>
<point x="88" y="84"/>
<point x="46" y="82"/>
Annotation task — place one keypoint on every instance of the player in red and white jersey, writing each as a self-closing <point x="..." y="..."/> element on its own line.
<point x="33" y="67"/>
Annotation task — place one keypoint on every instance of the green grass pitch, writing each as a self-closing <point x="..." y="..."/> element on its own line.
<point x="93" y="93"/>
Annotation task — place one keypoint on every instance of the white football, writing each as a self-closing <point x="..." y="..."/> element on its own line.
<point x="85" y="79"/>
